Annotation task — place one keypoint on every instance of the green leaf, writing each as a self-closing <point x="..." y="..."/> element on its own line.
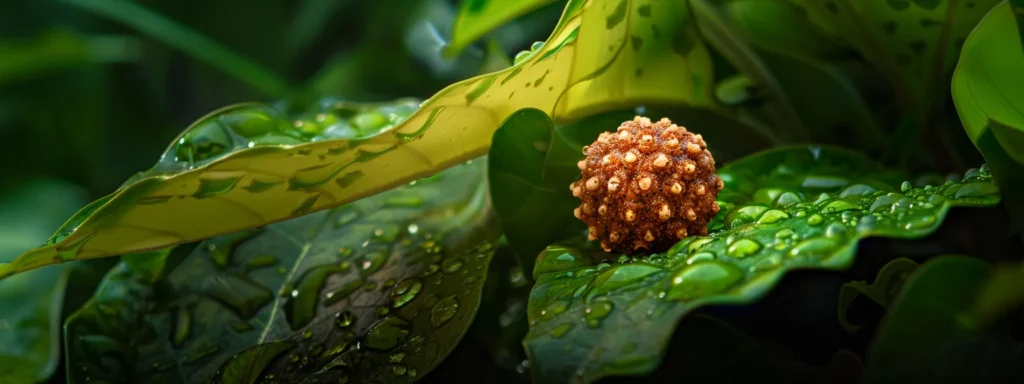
<point x="785" y="209"/>
<point x="887" y="284"/>
<point x="930" y="313"/>
<point x="180" y="37"/>
<point x="913" y="43"/>
<point x="988" y="91"/>
<point x="532" y="163"/>
<point x="381" y="289"/>
<point x="248" y="166"/>
<point x="31" y="303"/>
<point x="779" y="26"/>
<point x="730" y="44"/>
<point x="1000" y="294"/>
<point x="478" y="17"/>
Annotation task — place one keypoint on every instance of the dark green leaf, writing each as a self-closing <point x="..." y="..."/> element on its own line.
<point x="931" y="311"/>
<point x="988" y="90"/>
<point x="913" y="43"/>
<point x="780" y="27"/>
<point x="1001" y="293"/>
<point x="30" y="304"/>
<point x="785" y="209"/>
<point x="887" y="284"/>
<point x="380" y="289"/>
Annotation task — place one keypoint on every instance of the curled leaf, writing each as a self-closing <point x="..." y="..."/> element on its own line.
<point x="887" y="284"/>
<point x="247" y="166"/>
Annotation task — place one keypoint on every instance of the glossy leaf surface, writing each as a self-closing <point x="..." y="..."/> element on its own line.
<point x="478" y="17"/>
<point x="988" y="90"/>
<point x="380" y="289"/>
<point x="247" y="166"/>
<point x="785" y="209"/>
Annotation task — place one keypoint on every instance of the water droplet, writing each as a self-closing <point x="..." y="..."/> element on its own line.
<point x="621" y="277"/>
<point x="785" y="233"/>
<point x="702" y="256"/>
<point x="344" y="319"/>
<point x="857" y="190"/>
<point x="562" y="329"/>
<point x="443" y="311"/>
<point x="817" y="247"/>
<point x="976" y="189"/>
<point x="815" y="219"/>
<point x="452" y="265"/>
<point x="553" y="310"/>
<point x="397" y="357"/>
<point x="373" y="262"/>
<point x="696" y="245"/>
<point x="772" y="216"/>
<point x="835" y="229"/>
<point x="386" y="333"/>
<point x="343" y="291"/>
<point x="405" y="291"/>
<point x="905" y="186"/>
<point x="744" y="215"/>
<point x="840" y="206"/>
<point x="399" y="369"/>
<point x="597" y="312"/>
<point x="412" y="229"/>
<point x="787" y="198"/>
<point x="702" y="279"/>
<point x="743" y="248"/>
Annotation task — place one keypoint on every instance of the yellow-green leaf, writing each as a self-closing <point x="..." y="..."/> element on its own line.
<point x="251" y="165"/>
<point x="478" y="17"/>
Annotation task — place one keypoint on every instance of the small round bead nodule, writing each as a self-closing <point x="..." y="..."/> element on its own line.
<point x="646" y="186"/>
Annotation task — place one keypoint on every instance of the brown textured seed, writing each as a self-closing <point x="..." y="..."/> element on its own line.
<point x="645" y="167"/>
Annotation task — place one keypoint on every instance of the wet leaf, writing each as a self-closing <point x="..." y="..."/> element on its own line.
<point x="30" y="304"/>
<point x="913" y="43"/>
<point x="532" y="163"/>
<point x="785" y="209"/>
<point x="931" y="312"/>
<point x="379" y="289"/>
<point x="988" y="90"/>
<point x="247" y="166"/>
<point x="882" y="291"/>
<point x="478" y="17"/>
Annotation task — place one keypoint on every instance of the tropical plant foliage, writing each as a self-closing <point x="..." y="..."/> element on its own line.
<point x="398" y="212"/>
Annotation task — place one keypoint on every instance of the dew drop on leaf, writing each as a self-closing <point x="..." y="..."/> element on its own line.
<point x="815" y="219"/>
<point x="743" y="248"/>
<point x="405" y="291"/>
<point x="702" y="279"/>
<point x="597" y="312"/>
<point x="344" y="319"/>
<point x="560" y="330"/>
<point x="386" y="333"/>
<point x="443" y="310"/>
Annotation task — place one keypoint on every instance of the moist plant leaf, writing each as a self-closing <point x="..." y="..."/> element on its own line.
<point x="251" y="165"/>
<point x="931" y="312"/>
<point x="30" y="304"/>
<point x="913" y="43"/>
<point x="380" y="289"/>
<point x="988" y="91"/>
<point x="882" y="291"/>
<point x="785" y="209"/>
<point x="477" y="18"/>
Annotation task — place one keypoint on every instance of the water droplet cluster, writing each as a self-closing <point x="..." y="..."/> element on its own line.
<point x="646" y="186"/>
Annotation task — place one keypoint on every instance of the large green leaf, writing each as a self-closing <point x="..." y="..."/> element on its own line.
<point x="478" y="17"/>
<point x="532" y="162"/>
<point x="931" y="312"/>
<point x="248" y="166"/>
<point x="30" y="304"/>
<point x="988" y="90"/>
<point x="380" y="289"/>
<point x="914" y="43"/>
<point x="786" y="209"/>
